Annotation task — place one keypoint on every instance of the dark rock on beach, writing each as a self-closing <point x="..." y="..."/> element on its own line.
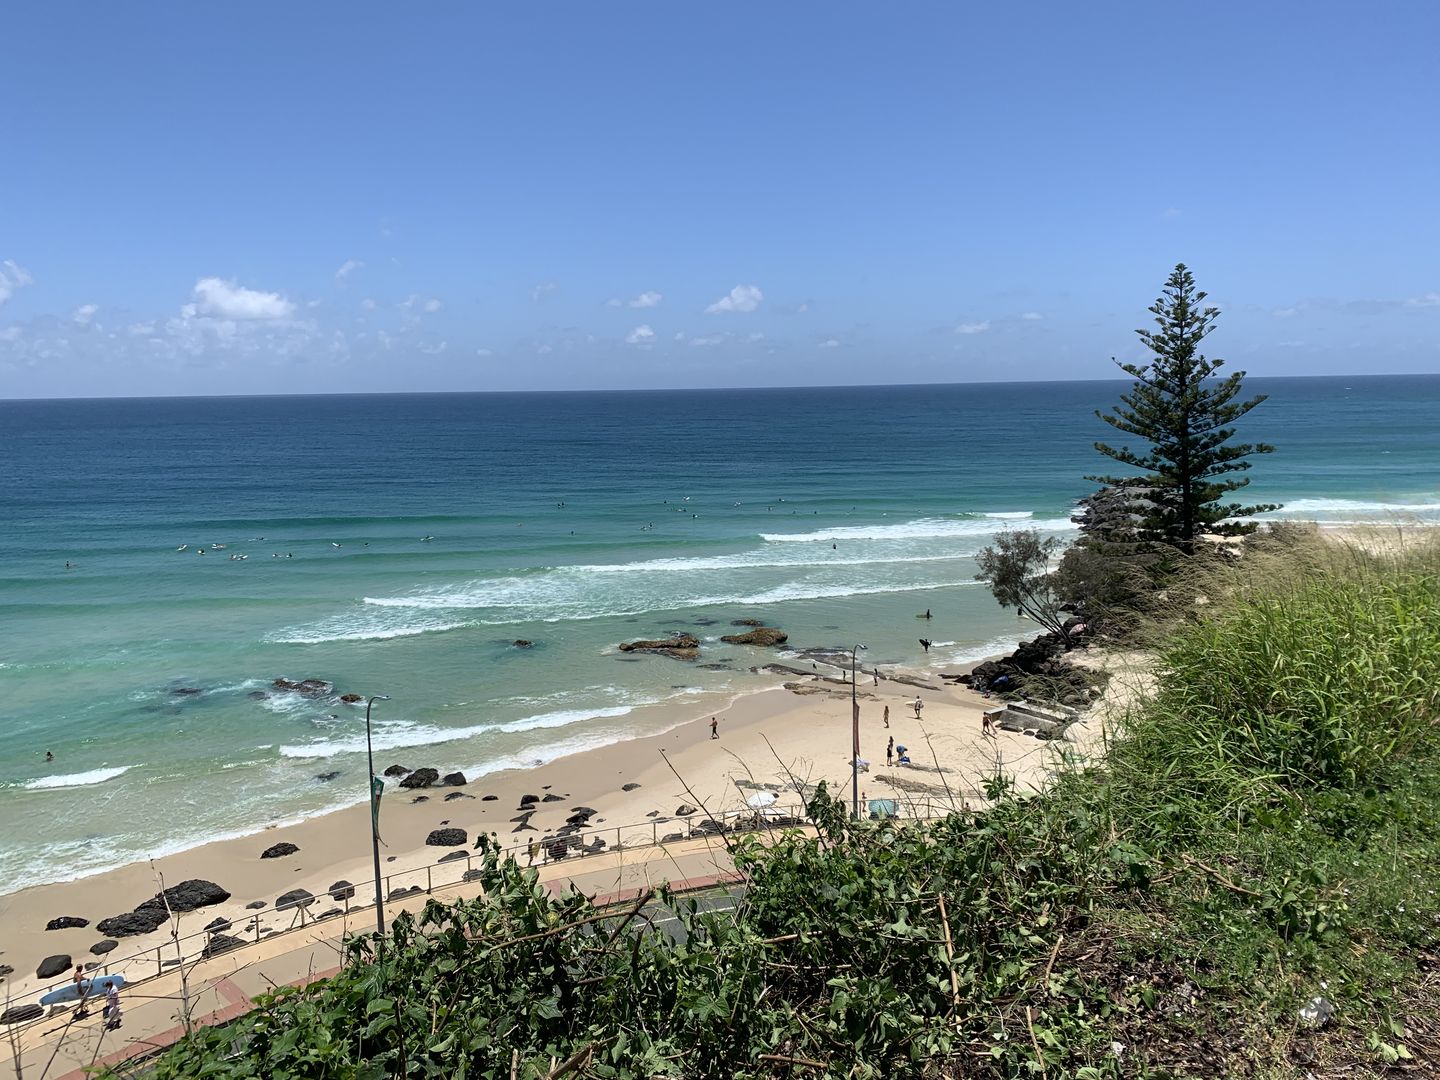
<point x="684" y="810"/>
<point x="53" y="965"/>
<point x="140" y="921"/>
<point x="6" y="969"/>
<point x="187" y="896"/>
<point x="396" y="770"/>
<point x="341" y="890"/>
<point x="400" y="894"/>
<point x="220" y="943"/>
<point x="763" y="635"/>
<point x="65" y="922"/>
<point x="447" y="838"/>
<point x="453" y="856"/>
<point x="454" y="779"/>
<point x="457" y="795"/>
<point x="18" y="1014"/>
<point x="552" y="799"/>
<point x="217" y="924"/>
<point x="279" y="851"/>
<point x="629" y="787"/>
<point x="105" y="945"/>
<point x="421" y="778"/>
<point x="293" y="899"/>
<point x="681" y="646"/>
<point x="255" y="905"/>
<point x="420" y="798"/>
<point x="489" y="798"/>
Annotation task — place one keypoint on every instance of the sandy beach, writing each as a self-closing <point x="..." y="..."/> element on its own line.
<point x="775" y="739"/>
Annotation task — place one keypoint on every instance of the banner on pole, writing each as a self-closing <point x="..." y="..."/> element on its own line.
<point x="377" y="788"/>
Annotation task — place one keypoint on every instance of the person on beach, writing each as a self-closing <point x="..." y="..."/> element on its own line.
<point x="890" y="751"/>
<point x="112" y="1011"/>
<point x="714" y="728"/>
<point x="918" y="706"/>
<point x="987" y="726"/>
<point x="534" y="850"/>
<point x="887" y="719"/>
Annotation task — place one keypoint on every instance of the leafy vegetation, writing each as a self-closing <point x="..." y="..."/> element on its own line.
<point x="1261" y="834"/>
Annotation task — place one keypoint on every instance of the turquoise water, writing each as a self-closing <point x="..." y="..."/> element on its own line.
<point x="573" y="520"/>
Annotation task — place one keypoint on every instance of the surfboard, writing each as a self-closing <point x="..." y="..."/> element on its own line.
<point x="93" y="988"/>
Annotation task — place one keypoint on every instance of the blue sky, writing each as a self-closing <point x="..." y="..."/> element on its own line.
<point x="275" y="198"/>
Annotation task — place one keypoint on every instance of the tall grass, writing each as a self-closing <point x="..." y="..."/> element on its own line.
<point x="1303" y="664"/>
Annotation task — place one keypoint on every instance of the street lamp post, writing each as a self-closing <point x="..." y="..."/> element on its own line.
<point x="855" y="740"/>
<point x="374" y="816"/>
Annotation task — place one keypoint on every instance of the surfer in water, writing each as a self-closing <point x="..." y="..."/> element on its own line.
<point x="49" y="757"/>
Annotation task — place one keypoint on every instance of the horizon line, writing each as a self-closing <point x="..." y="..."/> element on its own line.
<point x="684" y="389"/>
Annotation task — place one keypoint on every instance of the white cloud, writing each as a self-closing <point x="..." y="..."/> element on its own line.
<point x="1171" y="213"/>
<point x="9" y="333"/>
<point x="348" y="267"/>
<point x="368" y="303"/>
<point x="226" y="300"/>
<point x="1430" y="299"/>
<point x="432" y="306"/>
<point x="434" y="350"/>
<point x="483" y="352"/>
<point x="545" y="350"/>
<point x="742" y="298"/>
<point x="541" y="291"/>
<point x="140" y="329"/>
<point x="84" y="313"/>
<point x="973" y="327"/>
<point x="650" y="298"/>
<point x="1286" y="312"/>
<point x="756" y="336"/>
<point x="828" y="343"/>
<point x="713" y="339"/>
<point x="12" y="276"/>
<point x="1032" y="316"/>
<point x="641" y="335"/>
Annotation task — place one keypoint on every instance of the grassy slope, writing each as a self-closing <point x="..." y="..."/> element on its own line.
<point x="1262" y="834"/>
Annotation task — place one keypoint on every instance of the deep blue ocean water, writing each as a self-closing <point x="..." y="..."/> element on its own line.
<point x="573" y="520"/>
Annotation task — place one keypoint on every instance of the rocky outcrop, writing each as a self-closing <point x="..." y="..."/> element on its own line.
<point x="552" y="799"/>
<point x="1043" y="658"/>
<point x="396" y="770"/>
<point x="681" y="646"/>
<point x="217" y="924"/>
<point x="255" y="905"/>
<point x="629" y="787"/>
<point x="684" y="810"/>
<point x="454" y="779"/>
<point x="53" y="965"/>
<point x="524" y="643"/>
<point x="351" y="699"/>
<point x="100" y="948"/>
<point x="341" y="890"/>
<point x="447" y="838"/>
<point x="293" y="899"/>
<point x="305" y="687"/>
<point x="763" y="636"/>
<point x="65" y="922"/>
<point x="421" y="778"/>
<point x="746" y="622"/>
<point x="279" y="851"/>
<point x="452" y="856"/>
<point x="131" y="923"/>
<point x="187" y="896"/>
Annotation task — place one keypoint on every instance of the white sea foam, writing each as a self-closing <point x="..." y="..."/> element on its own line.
<point x="1010" y="515"/>
<point x="397" y="736"/>
<point x="920" y="529"/>
<point x="82" y="779"/>
<point x="1352" y="508"/>
<point x="302" y="636"/>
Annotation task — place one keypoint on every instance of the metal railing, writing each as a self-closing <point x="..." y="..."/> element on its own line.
<point x="450" y="872"/>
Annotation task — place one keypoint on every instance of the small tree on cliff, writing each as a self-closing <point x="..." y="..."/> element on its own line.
<point x="1183" y="411"/>
<point x="1017" y="569"/>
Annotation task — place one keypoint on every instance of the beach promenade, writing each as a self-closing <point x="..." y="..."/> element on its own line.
<point x="219" y="989"/>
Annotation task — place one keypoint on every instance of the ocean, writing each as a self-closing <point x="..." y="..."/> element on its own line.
<point x="401" y="544"/>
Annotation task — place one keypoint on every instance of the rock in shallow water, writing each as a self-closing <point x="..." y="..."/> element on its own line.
<point x="396" y="770"/>
<point x="421" y="778"/>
